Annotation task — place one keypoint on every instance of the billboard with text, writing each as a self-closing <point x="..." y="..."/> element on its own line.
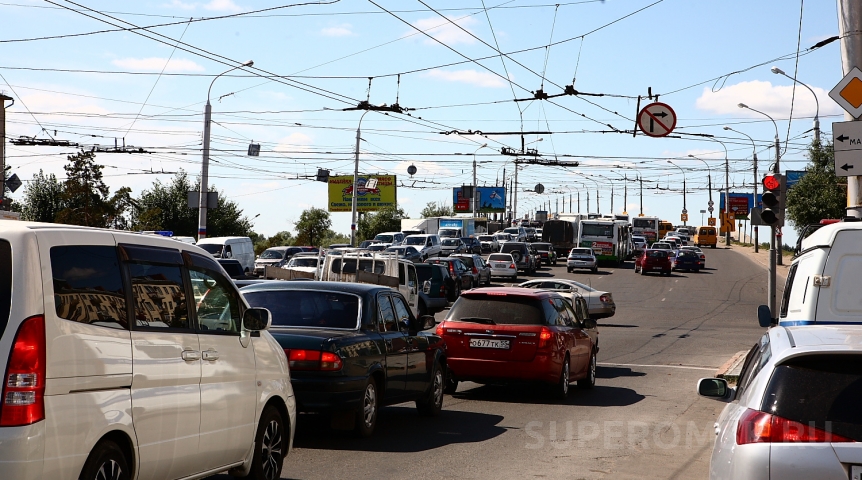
<point x="491" y="200"/>
<point x="368" y="199"/>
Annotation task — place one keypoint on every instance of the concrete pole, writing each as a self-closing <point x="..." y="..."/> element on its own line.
<point x="515" y="193"/>
<point x="355" y="184"/>
<point x="205" y="170"/>
<point x="3" y="99"/>
<point x="642" y="193"/>
<point x="849" y="26"/>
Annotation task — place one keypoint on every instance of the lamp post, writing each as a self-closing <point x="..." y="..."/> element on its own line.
<point x="205" y="167"/>
<point x="598" y="204"/>
<point x="778" y="71"/>
<point x="684" y="207"/>
<point x="776" y="232"/>
<point x="355" y="184"/>
<point x="754" y="156"/>
<point x="475" y="194"/>
<point x="709" y="185"/>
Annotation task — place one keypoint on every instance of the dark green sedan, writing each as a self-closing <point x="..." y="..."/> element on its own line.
<point x="353" y="348"/>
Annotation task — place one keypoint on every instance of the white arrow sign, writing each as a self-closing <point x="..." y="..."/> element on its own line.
<point x="847" y="140"/>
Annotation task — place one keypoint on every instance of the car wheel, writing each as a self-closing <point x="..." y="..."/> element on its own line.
<point x="470" y="284"/>
<point x="270" y="446"/>
<point x="451" y="385"/>
<point x="569" y="270"/>
<point x="642" y="270"/>
<point x="366" y="417"/>
<point x="515" y="277"/>
<point x="106" y="462"/>
<point x="431" y="403"/>
<point x="561" y="390"/>
<point x="457" y="292"/>
<point x="590" y="380"/>
<point x="595" y="269"/>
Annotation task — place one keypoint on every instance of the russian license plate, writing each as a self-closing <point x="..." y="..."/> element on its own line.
<point x="487" y="343"/>
<point x="501" y="265"/>
<point x="656" y="268"/>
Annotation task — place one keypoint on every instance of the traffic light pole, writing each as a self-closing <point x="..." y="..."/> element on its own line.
<point x="772" y="268"/>
<point x="849" y="24"/>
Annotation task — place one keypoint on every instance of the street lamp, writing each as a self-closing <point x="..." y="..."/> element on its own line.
<point x="754" y="156"/>
<point x="473" y="200"/>
<point x="779" y="71"/>
<point x="205" y="167"/>
<point x="684" y="207"/>
<point x="709" y="184"/>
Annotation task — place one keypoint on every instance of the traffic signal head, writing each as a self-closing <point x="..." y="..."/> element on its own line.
<point x="774" y="193"/>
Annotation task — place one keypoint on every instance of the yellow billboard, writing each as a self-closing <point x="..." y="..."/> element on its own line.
<point x="369" y="197"/>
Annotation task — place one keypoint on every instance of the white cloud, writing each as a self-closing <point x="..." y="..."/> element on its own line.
<point x="213" y="6"/>
<point x="341" y="30"/>
<point x="766" y="97"/>
<point x="444" y="31"/>
<point x="156" y="64"/>
<point x="480" y="79"/>
<point x="294" y="142"/>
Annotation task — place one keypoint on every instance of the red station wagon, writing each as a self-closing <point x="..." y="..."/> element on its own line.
<point x="503" y="335"/>
<point x="654" y="261"/>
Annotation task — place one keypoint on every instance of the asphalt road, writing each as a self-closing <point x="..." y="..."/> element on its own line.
<point x="642" y="420"/>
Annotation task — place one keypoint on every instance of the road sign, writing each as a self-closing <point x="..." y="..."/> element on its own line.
<point x="657" y="119"/>
<point x="710" y="203"/>
<point x="847" y="140"/>
<point x="848" y="92"/>
<point x="683" y="217"/>
<point x="710" y="209"/>
<point x="710" y="221"/>
<point x="684" y="210"/>
<point x="13" y="182"/>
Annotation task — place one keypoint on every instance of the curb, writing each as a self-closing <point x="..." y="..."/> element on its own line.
<point x="731" y="368"/>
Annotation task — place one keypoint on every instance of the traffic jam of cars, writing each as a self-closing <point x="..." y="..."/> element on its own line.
<point x="248" y="342"/>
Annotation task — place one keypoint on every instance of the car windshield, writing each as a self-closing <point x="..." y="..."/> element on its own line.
<point x="308" y="308"/>
<point x="486" y="238"/>
<point x="385" y="238"/>
<point x="581" y="251"/>
<point x="414" y="241"/>
<point x="271" y="254"/>
<point x="500" y="257"/>
<point x="513" y="231"/>
<point x="542" y="246"/>
<point x="212" y="248"/>
<point x="451" y="242"/>
<point x="502" y="310"/>
<point x="303" y="262"/>
<point x="502" y="236"/>
<point x="656" y="254"/>
<point x="376" y="248"/>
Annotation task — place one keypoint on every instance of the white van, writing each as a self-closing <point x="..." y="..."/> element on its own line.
<point x="387" y="268"/>
<point x="133" y="352"/>
<point x="428" y="245"/>
<point x="236" y="248"/>
<point x="823" y="280"/>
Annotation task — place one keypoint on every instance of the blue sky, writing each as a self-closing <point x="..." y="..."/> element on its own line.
<point x="697" y="55"/>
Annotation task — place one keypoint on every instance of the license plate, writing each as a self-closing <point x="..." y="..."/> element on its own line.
<point x="485" y="343"/>
<point x="656" y="268"/>
<point x="501" y="265"/>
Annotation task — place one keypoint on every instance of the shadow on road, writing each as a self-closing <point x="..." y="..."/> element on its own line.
<point x="616" y="325"/>
<point x="400" y="429"/>
<point x="616" y="372"/>
<point x="599" y="396"/>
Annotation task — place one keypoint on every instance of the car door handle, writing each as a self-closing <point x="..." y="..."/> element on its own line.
<point x="191" y="355"/>
<point x="210" y="355"/>
<point x="717" y="428"/>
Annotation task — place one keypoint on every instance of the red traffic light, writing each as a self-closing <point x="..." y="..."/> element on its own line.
<point x="771" y="182"/>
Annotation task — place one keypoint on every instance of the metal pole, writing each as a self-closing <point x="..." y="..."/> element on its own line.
<point x="625" y="195"/>
<point x="642" y="193"/>
<point x="579" y="201"/>
<point x="771" y="282"/>
<point x="849" y="26"/>
<point x="777" y="230"/>
<point x="3" y="99"/>
<point x="355" y="184"/>
<point x="515" y="193"/>
<point x="205" y="168"/>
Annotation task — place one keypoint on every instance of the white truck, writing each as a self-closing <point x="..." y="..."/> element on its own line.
<point x="416" y="226"/>
<point x="378" y="269"/>
<point x="457" y="227"/>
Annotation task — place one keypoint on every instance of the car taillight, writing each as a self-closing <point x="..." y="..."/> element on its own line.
<point x="761" y="427"/>
<point x="475" y="270"/>
<point x="23" y="401"/>
<point x="513" y="266"/>
<point x="439" y="330"/>
<point x="301" y="359"/>
<point x="605" y="298"/>
<point x="544" y="337"/>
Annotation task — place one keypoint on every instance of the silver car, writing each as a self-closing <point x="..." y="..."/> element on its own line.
<point x="795" y="412"/>
<point x="503" y="265"/>
<point x="582" y="258"/>
<point x="600" y="303"/>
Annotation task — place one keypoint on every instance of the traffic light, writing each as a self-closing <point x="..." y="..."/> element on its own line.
<point x="774" y="193"/>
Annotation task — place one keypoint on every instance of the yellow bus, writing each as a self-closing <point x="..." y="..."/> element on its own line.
<point x="663" y="227"/>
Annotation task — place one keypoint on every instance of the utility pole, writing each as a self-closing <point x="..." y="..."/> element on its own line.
<point x="3" y="99"/>
<point x="849" y="26"/>
<point x="515" y="193"/>
<point x="642" y="193"/>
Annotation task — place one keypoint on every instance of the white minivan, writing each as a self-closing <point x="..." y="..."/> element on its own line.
<point x="428" y="245"/>
<point x="129" y="356"/>
<point x="236" y="248"/>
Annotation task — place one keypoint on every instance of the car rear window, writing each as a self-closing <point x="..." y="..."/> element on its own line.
<point x="5" y="283"/>
<point x="234" y="269"/>
<point x="512" y="246"/>
<point x="468" y="261"/>
<point x="451" y="242"/>
<point x="687" y="254"/>
<point x="502" y="310"/>
<point x="822" y="390"/>
<point x="424" y="272"/>
<point x="581" y="251"/>
<point x="211" y="248"/>
<point x="308" y="308"/>
<point x="656" y="254"/>
<point x="498" y="257"/>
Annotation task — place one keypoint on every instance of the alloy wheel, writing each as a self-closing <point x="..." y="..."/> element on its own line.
<point x="438" y="387"/>
<point x="369" y="405"/>
<point x="110" y="470"/>
<point x="271" y="450"/>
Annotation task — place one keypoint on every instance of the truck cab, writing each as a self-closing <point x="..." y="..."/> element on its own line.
<point x="378" y="269"/>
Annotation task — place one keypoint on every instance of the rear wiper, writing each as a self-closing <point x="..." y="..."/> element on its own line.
<point x="486" y="321"/>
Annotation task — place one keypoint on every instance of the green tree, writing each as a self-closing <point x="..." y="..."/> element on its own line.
<point x="331" y="237"/>
<point x="312" y="226"/>
<point x="436" y="209"/>
<point x="165" y="207"/>
<point x="819" y="193"/>
<point x="42" y="200"/>
<point x="280" y="239"/>
<point x="85" y="196"/>
<point x="387" y="219"/>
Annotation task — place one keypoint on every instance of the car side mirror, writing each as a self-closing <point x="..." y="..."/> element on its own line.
<point x="427" y="321"/>
<point x="256" y="319"/>
<point x="590" y="324"/>
<point x="764" y="316"/>
<point x="715" y="388"/>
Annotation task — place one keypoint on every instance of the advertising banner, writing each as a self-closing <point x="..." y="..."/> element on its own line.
<point x="740" y="204"/>
<point x="491" y="200"/>
<point x="370" y="199"/>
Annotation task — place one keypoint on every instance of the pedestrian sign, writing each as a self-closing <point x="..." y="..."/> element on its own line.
<point x="657" y="119"/>
<point x="848" y="92"/>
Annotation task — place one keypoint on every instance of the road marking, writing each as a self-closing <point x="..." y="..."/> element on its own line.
<point x="684" y="367"/>
<point x="676" y="281"/>
<point x="671" y="289"/>
<point x="662" y="299"/>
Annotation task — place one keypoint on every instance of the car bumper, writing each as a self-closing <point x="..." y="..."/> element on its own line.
<point x="604" y="311"/>
<point x="543" y="368"/>
<point x="504" y="272"/>
<point x="22" y="451"/>
<point x="434" y="305"/>
<point x="327" y="394"/>
<point x="580" y="264"/>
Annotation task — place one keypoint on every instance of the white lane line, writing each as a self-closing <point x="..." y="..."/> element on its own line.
<point x="662" y="299"/>
<point x="684" y="367"/>
<point x="676" y="281"/>
<point x="671" y="289"/>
